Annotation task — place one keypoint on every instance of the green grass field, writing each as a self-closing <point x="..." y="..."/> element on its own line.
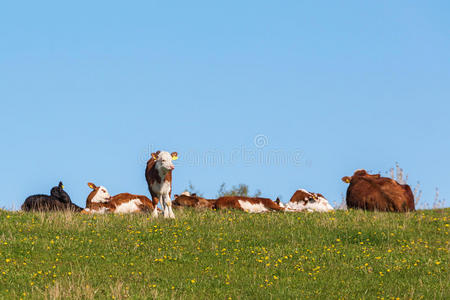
<point x="226" y="255"/>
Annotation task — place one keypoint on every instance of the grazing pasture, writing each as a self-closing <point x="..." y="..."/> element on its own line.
<point x="225" y="254"/>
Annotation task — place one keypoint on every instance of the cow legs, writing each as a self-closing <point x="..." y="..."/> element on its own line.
<point x="155" y="201"/>
<point x="169" y="204"/>
<point x="168" y="213"/>
<point x="164" y="206"/>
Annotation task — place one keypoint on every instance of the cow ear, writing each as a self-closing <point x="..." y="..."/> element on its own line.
<point x="91" y="185"/>
<point x="174" y="155"/>
<point x="154" y="156"/>
<point x="346" y="179"/>
<point x="61" y="185"/>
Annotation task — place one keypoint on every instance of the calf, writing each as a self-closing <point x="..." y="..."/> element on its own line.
<point x="58" y="200"/>
<point x="248" y="204"/>
<point x="373" y="192"/>
<point x="159" y="179"/>
<point x="303" y="200"/>
<point x="193" y="200"/>
<point x="99" y="201"/>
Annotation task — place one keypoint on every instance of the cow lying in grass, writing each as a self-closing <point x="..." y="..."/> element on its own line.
<point x="99" y="201"/>
<point x="303" y="200"/>
<point x="187" y="200"/>
<point x="57" y="201"/>
<point x="300" y="201"/>
<point x="373" y="192"/>
<point x="248" y="204"/>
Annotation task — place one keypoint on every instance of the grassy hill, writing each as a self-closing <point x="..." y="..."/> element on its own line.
<point x="223" y="255"/>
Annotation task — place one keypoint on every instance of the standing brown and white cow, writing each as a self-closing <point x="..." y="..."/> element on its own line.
<point x="373" y="192"/>
<point x="159" y="179"/>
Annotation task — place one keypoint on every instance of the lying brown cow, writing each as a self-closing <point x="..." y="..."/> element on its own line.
<point x="373" y="192"/>
<point x="248" y="204"/>
<point x="186" y="200"/>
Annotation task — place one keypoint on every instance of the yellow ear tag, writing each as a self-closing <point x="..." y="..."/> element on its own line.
<point x="62" y="186"/>
<point x="174" y="157"/>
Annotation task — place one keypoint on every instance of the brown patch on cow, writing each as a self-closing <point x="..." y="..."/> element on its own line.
<point x="373" y="192"/>
<point x="193" y="201"/>
<point x="119" y="199"/>
<point x="232" y="202"/>
<point x="302" y="195"/>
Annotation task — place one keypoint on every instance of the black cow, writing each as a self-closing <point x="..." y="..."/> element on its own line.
<point x="58" y="200"/>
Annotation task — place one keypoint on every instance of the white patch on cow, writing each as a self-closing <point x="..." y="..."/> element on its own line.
<point x="252" y="208"/>
<point x="295" y="206"/>
<point x="185" y="193"/>
<point x="320" y="205"/>
<point x="102" y="195"/>
<point x="129" y="207"/>
<point x="161" y="189"/>
<point x="164" y="161"/>
<point x="101" y="210"/>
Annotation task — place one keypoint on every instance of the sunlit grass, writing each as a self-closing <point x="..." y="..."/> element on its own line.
<point x="225" y="255"/>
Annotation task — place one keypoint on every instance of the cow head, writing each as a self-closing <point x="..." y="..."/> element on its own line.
<point x="59" y="193"/>
<point x="99" y="194"/>
<point x="358" y="173"/>
<point x="164" y="160"/>
<point x="347" y="179"/>
<point x="278" y="201"/>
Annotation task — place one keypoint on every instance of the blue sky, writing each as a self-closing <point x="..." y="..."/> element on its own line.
<point x="87" y="89"/>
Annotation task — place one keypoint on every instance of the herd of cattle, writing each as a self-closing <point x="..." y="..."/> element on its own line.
<point x="368" y="192"/>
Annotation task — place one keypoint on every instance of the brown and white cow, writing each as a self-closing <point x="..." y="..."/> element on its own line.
<point x="248" y="204"/>
<point x="373" y="192"/>
<point x="188" y="200"/>
<point x="159" y="179"/>
<point x="303" y="200"/>
<point x="100" y="201"/>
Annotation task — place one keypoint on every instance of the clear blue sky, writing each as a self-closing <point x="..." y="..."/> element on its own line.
<point x="87" y="88"/>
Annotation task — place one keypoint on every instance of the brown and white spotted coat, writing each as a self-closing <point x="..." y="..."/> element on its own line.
<point x="159" y="179"/>
<point x="99" y="201"/>
<point x="248" y="204"/>
<point x="303" y="200"/>
<point x="186" y="200"/>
